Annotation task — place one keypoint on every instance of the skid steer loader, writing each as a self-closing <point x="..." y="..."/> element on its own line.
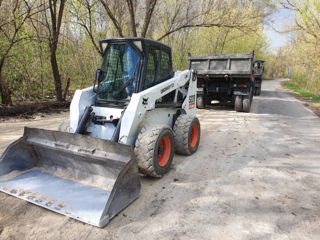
<point x="137" y="114"/>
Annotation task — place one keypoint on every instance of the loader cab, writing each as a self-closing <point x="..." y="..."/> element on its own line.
<point x="130" y="65"/>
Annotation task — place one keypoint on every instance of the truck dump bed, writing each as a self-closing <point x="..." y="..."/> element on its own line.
<point x="236" y="65"/>
<point x="226" y="78"/>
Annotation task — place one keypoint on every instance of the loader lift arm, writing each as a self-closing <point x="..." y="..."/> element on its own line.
<point x="145" y="101"/>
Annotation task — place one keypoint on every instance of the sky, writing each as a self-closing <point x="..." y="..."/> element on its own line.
<point x="279" y="20"/>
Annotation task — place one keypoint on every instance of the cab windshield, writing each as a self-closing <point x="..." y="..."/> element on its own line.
<point x="119" y="72"/>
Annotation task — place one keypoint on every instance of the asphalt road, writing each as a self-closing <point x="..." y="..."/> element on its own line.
<point x="255" y="176"/>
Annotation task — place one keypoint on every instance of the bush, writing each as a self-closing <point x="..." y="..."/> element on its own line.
<point x="305" y="81"/>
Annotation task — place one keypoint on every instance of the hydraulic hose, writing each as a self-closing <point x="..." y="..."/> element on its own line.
<point x="84" y="120"/>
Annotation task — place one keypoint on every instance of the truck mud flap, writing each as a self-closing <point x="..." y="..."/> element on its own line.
<point x="79" y="176"/>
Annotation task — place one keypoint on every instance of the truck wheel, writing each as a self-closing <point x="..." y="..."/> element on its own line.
<point x="258" y="91"/>
<point x="238" y="104"/>
<point x="154" y="150"/>
<point x="246" y="104"/>
<point x="187" y="134"/>
<point x="200" y="102"/>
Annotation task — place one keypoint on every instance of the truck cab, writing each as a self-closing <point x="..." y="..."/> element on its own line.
<point x="258" y="72"/>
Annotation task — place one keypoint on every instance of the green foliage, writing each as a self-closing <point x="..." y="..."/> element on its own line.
<point x="301" y="80"/>
<point x="292" y="85"/>
<point x="235" y="28"/>
<point x="301" y="56"/>
<point x="202" y="42"/>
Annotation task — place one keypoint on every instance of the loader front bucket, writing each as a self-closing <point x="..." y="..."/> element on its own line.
<point x="79" y="176"/>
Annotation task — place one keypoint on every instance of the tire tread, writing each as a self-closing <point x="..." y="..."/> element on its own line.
<point x="181" y="134"/>
<point x="144" y="149"/>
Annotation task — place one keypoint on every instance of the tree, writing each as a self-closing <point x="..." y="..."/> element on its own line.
<point x="133" y="22"/>
<point x="112" y="13"/>
<point x="182" y="14"/>
<point x="132" y="7"/>
<point x="56" y="8"/>
<point x="53" y="43"/>
<point x="302" y="53"/>
<point x="84" y="12"/>
<point x="307" y="18"/>
<point x="13" y="16"/>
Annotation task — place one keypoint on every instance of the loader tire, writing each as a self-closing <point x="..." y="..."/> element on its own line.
<point x="200" y="102"/>
<point x="238" y="104"/>
<point x="186" y="134"/>
<point x="246" y="104"/>
<point x="154" y="150"/>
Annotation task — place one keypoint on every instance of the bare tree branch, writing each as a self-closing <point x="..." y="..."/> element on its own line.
<point x="112" y="17"/>
<point x="149" y="10"/>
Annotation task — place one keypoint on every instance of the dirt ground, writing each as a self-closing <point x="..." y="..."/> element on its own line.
<point x="255" y="176"/>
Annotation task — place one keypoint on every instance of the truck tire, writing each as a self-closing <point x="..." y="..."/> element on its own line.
<point x="258" y="91"/>
<point x="64" y="127"/>
<point x="186" y="134"/>
<point x="246" y="103"/>
<point x="238" y="104"/>
<point x="154" y="150"/>
<point x="200" y="102"/>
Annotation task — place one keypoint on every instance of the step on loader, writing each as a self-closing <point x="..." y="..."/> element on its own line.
<point x="135" y="117"/>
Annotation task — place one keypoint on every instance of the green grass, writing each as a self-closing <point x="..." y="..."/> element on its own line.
<point x="305" y="93"/>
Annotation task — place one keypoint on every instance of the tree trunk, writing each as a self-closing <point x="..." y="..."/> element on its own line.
<point x="132" y="18"/>
<point x="4" y="89"/>
<point x="56" y="21"/>
<point x="149" y="10"/>
<point x="66" y="89"/>
<point x="56" y="74"/>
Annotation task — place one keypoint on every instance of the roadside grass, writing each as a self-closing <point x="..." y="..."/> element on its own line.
<point x="307" y="94"/>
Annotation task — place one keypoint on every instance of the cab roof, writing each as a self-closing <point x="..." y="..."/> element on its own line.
<point x="146" y="41"/>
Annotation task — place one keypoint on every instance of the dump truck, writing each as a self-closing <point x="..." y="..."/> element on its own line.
<point x="258" y="71"/>
<point x="226" y="78"/>
<point x="138" y="113"/>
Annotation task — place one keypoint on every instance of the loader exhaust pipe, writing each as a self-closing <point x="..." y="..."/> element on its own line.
<point x="79" y="176"/>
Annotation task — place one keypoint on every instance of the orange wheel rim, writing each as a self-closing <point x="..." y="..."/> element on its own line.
<point x="194" y="135"/>
<point x="164" y="151"/>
